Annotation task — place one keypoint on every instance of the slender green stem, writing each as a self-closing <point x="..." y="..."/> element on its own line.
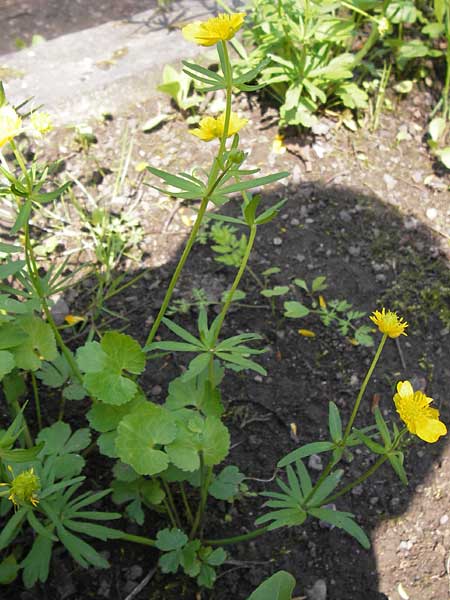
<point x="228" y="75"/>
<point x="34" y="275"/>
<point x="171" y="503"/>
<point x="37" y="401"/>
<point x="446" y="91"/>
<point x="187" y="507"/>
<point x="205" y="474"/>
<point x="363" y="388"/>
<point x="236" y="281"/>
<point x="332" y="463"/>
<point x="258" y="280"/>
<point x="376" y="465"/>
<point x="170" y="513"/>
<point x="25" y="436"/>
<point x="137" y="539"/>
<point x="238" y="538"/>
<point x="177" y="272"/>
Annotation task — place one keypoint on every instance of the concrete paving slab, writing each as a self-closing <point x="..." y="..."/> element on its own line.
<point x="105" y="68"/>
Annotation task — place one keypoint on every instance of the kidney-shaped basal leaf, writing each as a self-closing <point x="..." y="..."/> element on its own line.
<point x="110" y="388"/>
<point x="124" y="353"/>
<point x="39" y="345"/>
<point x="226" y="485"/>
<point x="104" y="364"/>
<point x="278" y="587"/>
<point x="215" y="441"/>
<point x="138" y="435"/>
<point x="183" y="451"/>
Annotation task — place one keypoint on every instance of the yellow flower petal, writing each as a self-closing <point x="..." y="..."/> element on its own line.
<point x="73" y="319"/>
<point x="210" y="128"/>
<point x="389" y="323"/>
<point x="322" y="302"/>
<point x="214" y="30"/>
<point x="414" y="410"/>
<point x="278" y="146"/>
<point x="306" y="333"/>
<point x="10" y="124"/>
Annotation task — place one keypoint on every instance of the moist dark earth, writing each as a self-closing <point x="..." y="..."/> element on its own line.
<point x="371" y="213"/>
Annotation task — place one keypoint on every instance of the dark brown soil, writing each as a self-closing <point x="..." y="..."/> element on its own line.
<point x="358" y="212"/>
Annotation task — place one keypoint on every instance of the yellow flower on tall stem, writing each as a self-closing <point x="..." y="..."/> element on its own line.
<point x="210" y="128"/>
<point x="389" y="322"/>
<point x="214" y="30"/>
<point x="414" y="410"/>
<point x="10" y="124"/>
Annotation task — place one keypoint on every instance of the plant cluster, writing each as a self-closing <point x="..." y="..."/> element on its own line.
<point x="168" y="457"/>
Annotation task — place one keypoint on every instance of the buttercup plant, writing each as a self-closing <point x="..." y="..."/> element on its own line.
<point x="166" y="454"/>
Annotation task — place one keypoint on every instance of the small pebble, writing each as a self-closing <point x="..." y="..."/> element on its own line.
<point x="390" y="181"/>
<point x="315" y="462"/>
<point x="431" y="213"/>
<point x="318" y="590"/>
<point x="277" y="241"/>
<point x="156" y="390"/>
<point x="443" y="520"/>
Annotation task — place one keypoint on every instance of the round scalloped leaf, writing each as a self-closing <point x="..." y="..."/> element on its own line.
<point x="124" y="353"/>
<point x="215" y="441"/>
<point x="91" y="358"/>
<point x="39" y="345"/>
<point x="140" y="432"/>
<point x="7" y="363"/>
<point x="109" y="387"/>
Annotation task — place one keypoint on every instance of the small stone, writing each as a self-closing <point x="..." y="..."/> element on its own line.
<point x="380" y="278"/>
<point x="405" y="546"/>
<point x="373" y="500"/>
<point x="318" y="590"/>
<point x="443" y="520"/>
<point x="59" y="311"/>
<point x="296" y="175"/>
<point x="315" y="462"/>
<point x="277" y="241"/>
<point x="431" y="213"/>
<point x="258" y="378"/>
<point x="357" y="490"/>
<point x="354" y="380"/>
<point x="156" y="390"/>
<point x="320" y="128"/>
<point x="135" y="572"/>
<point x="390" y="181"/>
<point x="295" y="222"/>
<point x="345" y="216"/>
<point x="354" y="250"/>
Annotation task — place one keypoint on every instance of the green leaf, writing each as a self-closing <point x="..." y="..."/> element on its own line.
<point x="343" y="521"/>
<point x="170" y="539"/>
<point x="8" y="569"/>
<point x="140" y="432"/>
<point x="36" y="565"/>
<point x="295" y="310"/>
<point x="278" y="290"/>
<point x="39" y="345"/>
<point x="82" y="552"/>
<point x="110" y="388"/>
<point x="183" y="451"/>
<point x="55" y="374"/>
<point x="363" y="335"/>
<point x="11" y="529"/>
<point x="278" y="587"/>
<point x="444" y="156"/>
<point x="91" y="358"/>
<point x="106" y="417"/>
<point x="226" y="484"/>
<point x="7" y="363"/>
<point x="215" y="441"/>
<point x="304" y="451"/>
<point x="318" y="284"/>
<point x="11" y="268"/>
<point x="124" y="353"/>
<point x="206" y="577"/>
<point x="396" y="460"/>
<point x="251" y="183"/>
<point x="325" y="488"/>
<point x="334" y="422"/>
<point x="170" y="561"/>
<point x="382" y="427"/>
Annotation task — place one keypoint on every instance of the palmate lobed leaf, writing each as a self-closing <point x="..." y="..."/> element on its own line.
<point x="278" y="587"/>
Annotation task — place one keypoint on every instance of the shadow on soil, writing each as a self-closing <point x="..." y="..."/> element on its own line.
<point x="371" y="257"/>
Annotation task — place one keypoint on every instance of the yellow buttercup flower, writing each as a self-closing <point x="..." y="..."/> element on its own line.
<point x="10" y="124"/>
<point x="414" y="410"/>
<point x="41" y="123"/>
<point x="214" y="30"/>
<point x="389" y="323"/>
<point x="23" y="488"/>
<point x="278" y="146"/>
<point x="210" y="128"/>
